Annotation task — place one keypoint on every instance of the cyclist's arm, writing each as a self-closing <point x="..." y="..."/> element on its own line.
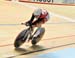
<point x="32" y="18"/>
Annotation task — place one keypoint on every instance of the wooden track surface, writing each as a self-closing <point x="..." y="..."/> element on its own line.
<point x="58" y="35"/>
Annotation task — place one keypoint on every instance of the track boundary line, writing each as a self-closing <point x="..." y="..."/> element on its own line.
<point x="40" y="50"/>
<point x="44" y="39"/>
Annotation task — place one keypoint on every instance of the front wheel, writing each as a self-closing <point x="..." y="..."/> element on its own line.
<point x="20" y="39"/>
<point x="37" y="38"/>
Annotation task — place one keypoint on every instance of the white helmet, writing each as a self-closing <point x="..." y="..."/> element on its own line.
<point x="37" y="12"/>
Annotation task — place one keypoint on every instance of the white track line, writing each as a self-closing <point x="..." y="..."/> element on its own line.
<point x="63" y="17"/>
<point x="52" y="14"/>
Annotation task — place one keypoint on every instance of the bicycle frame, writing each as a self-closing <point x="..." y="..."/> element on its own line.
<point x="28" y="33"/>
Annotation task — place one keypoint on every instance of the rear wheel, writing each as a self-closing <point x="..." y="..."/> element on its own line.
<point x="37" y="38"/>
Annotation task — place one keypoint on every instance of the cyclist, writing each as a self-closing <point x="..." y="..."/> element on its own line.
<point x="41" y="16"/>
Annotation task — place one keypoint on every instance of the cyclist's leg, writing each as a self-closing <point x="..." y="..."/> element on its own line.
<point x="38" y="23"/>
<point x="38" y="34"/>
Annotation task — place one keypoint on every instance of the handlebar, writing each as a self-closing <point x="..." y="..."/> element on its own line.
<point x="30" y="25"/>
<point x="23" y="23"/>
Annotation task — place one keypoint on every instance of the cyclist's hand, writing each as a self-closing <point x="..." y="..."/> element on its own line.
<point x="28" y="23"/>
